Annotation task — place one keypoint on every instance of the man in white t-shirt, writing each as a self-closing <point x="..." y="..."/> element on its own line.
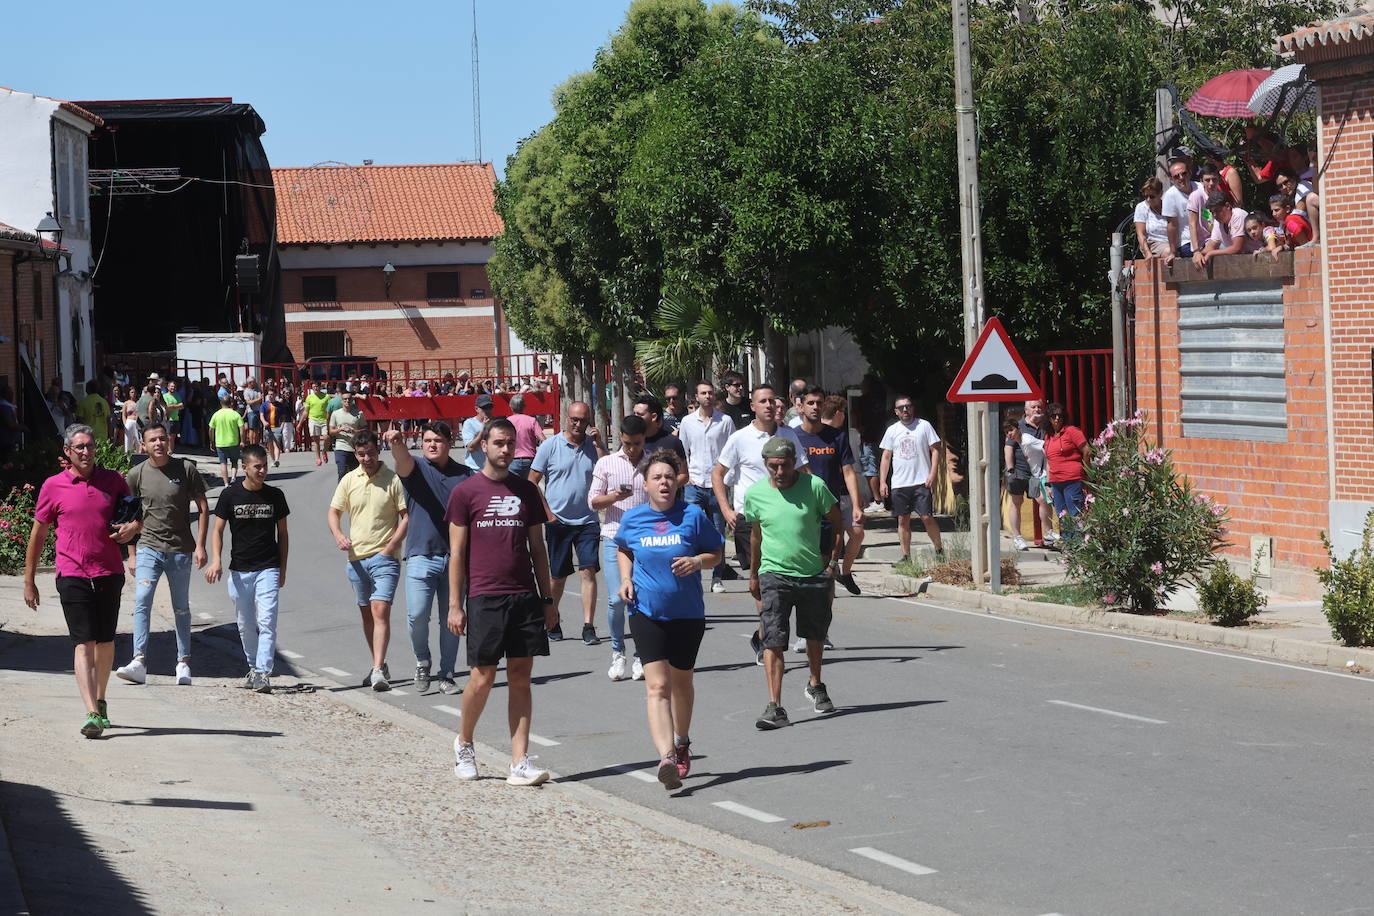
<point x="1228" y="232"/>
<point x="1175" y="206"/>
<point x="742" y="459"/>
<point x="911" y="452"/>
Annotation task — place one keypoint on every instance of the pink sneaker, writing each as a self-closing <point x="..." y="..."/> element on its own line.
<point x="682" y="756"/>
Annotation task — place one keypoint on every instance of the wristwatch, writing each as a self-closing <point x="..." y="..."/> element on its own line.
<point x="547" y="599"/>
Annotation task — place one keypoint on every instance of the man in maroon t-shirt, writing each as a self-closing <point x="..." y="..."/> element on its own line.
<point x="496" y="547"/>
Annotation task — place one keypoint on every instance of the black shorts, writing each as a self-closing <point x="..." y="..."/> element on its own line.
<point x="809" y="595"/>
<point x="827" y="540"/>
<point x="674" y="640"/>
<point x="91" y="606"/>
<point x="505" y="626"/>
<point x="564" y="540"/>
<point x="1017" y="486"/>
<point x="908" y="500"/>
<point x="743" y="529"/>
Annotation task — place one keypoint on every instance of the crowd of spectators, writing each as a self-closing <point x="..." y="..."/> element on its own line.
<point x="1201" y="214"/>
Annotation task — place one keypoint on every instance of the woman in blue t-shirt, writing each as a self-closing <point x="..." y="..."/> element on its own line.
<point x="664" y="545"/>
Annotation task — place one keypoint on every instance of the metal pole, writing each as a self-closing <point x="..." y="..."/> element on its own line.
<point x="1118" y="331"/>
<point x="972" y="256"/>
<point x="993" y="483"/>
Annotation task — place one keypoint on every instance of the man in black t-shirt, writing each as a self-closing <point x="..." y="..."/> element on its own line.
<point x="256" y="515"/>
<point x="734" y="404"/>
<point x="830" y="458"/>
<point x="650" y="409"/>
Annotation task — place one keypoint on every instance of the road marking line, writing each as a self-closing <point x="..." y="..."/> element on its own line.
<point x="399" y="692"/>
<point x="887" y="858"/>
<point x="449" y="709"/>
<point x="336" y="672"/>
<point x="636" y="772"/>
<point x="287" y="653"/>
<point x="542" y="741"/>
<point x="1109" y="712"/>
<point x="206" y="616"/>
<point x="755" y="813"/>
<point x="1162" y="642"/>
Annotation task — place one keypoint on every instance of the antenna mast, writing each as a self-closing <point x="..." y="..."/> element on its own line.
<point x="476" y="89"/>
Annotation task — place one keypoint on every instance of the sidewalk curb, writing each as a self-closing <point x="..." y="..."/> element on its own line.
<point x="799" y="871"/>
<point x="1262" y="643"/>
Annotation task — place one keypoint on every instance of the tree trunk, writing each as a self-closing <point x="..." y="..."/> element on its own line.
<point x="774" y="359"/>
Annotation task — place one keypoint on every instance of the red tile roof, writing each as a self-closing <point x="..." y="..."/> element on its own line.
<point x="1353" y="26"/>
<point x="331" y="204"/>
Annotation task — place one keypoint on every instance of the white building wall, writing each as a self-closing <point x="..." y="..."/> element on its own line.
<point x="400" y="254"/>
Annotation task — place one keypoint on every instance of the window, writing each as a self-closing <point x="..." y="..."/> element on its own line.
<point x="319" y="289"/>
<point x="325" y="343"/>
<point x="1231" y="349"/>
<point x="443" y="285"/>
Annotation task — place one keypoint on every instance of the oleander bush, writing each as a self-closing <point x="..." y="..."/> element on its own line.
<point x="1144" y="531"/>
<point x="1348" y="590"/>
<point x="16" y="521"/>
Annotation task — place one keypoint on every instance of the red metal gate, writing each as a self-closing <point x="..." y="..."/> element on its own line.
<point x="1081" y="380"/>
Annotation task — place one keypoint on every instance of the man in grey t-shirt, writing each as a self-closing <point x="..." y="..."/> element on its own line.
<point x="167" y="487"/>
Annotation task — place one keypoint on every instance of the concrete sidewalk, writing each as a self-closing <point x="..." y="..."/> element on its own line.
<point x="1288" y="629"/>
<point x="321" y="799"/>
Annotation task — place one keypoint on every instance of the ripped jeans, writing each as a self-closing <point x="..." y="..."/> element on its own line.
<point x="152" y="564"/>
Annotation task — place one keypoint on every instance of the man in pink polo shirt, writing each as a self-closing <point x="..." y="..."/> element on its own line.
<point x="528" y="435"/>
<point x="82" y="500"/>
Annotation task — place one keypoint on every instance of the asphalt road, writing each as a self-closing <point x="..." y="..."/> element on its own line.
<point x="982" y="764"/>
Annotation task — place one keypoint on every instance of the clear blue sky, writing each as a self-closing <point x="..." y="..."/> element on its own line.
<point x="344" y="80"/>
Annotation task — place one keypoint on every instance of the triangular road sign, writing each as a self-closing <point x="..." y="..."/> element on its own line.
<point x="993" y="371"/>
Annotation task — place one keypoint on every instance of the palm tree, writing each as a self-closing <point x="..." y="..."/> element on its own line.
<point x="693" y="341"/>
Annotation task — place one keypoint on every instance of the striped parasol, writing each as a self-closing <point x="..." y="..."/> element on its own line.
<point x="1228" y="95"/>
<point x="1287" y="90"/>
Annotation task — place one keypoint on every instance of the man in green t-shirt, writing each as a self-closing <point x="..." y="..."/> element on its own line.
<point x="94" y="411"/>
<point x="226" y="425"/>
<point x="788" y="571"/>
<point x="317" y="412"/>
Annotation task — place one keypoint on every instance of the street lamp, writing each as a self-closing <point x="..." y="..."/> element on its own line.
<point x="49" y="230"/>
<point x="387" y="271"/>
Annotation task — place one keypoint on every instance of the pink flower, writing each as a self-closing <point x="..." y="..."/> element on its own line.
<point x="1089" y="499"/>
<point x="1218" y="509"/>
<point x="1109" y="598"/>
<point x="1156" y="567"/>
<point x="1125" y="511"/>
<point x="4" y="524"/>
<point x="1154" y="456"/>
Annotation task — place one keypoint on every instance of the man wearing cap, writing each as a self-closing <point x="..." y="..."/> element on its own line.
<point x="789" y="572"/>
<point x="472" y="433"/>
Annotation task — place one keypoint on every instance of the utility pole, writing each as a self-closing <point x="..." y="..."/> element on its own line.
<point x="1118" y="330"/>
<point x="476" y="91"/>
<point x="970" y="225"/>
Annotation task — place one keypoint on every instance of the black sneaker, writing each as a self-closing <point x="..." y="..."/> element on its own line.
<point x="422" y="678"/>
<point x="773" y="716"/>
<point x="819" y="697"/>
<point x="557" y="632"/>
<point x="847" y="580"/>
<point x="589" y="634"/>
<point x="757" y="645"/>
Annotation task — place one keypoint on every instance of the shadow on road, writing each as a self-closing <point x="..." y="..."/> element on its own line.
<point x="202" y="803"/>
<point x="117" y="730"/>
<point x="764" y="772"/>
<point x="865" y="707"/>
<point x="60" y="869"/>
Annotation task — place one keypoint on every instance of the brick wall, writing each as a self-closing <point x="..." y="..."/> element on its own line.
<point x="416" y="332"/>
<point x="37" y="334"/>
<point x="1347" y="192"/>
<point x="1272" y="489"/>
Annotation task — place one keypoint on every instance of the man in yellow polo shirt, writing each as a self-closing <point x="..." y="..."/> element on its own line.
<point x="317" y="410"/>
<point x="375" y="501"/>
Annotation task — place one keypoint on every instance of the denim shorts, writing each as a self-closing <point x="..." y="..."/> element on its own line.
<point x="868" y="458"/>
<point x="227" y="453"/>
<point x="565" y="540"/>
<point x="374" y="578"/>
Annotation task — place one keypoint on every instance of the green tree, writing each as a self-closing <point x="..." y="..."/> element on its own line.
<point x="690" y="340"/>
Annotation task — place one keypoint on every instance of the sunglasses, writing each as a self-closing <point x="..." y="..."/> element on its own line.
<point x="903" y="407"/>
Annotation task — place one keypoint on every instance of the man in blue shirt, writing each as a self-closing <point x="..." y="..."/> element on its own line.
<point x="472" y="433"/>
<point x="565" y="463"/>
<point x="428" y="484"/>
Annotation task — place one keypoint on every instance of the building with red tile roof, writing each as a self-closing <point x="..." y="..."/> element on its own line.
<point x="390" y="261"/>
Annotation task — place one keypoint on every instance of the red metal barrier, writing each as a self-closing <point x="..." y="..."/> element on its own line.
<point x="455" y="407"/>
<point x="1081" y="380"/>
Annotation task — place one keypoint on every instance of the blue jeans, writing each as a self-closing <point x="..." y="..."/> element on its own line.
<point x="615" y="608"/>
<point x="374" y="578"/>
<point x="704" y="498"/>
<point x="177" y="567"/>
<point x="1068" y="496"/>
<point x="426" y="581"/>
<point x="255" y="604"/>
<point x="520" y="467"/>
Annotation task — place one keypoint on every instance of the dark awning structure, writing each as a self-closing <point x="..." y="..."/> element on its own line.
<point x="179" y="188"/>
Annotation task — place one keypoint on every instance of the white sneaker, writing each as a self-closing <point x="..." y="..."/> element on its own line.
<point x="525" y="773"/>
<point x="799" y="645"/>
<point x="1019" y="543"/>
<point x="637" y="670"/>
<point x="465" y="766"/>
<point x="717" y="586"/>
<point x="617" y="670"/>
<point x="874" y="508"/>
<point x="183" y="674"/>
<point x="134" y="672"/>
<point x="379" y="681"/>
<point x="1050" y="537"/>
